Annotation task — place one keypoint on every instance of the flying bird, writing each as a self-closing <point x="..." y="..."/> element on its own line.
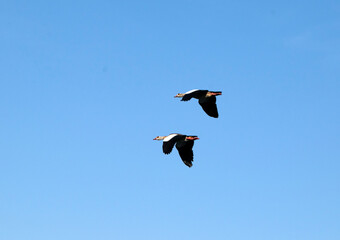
<point x="207" y="100"/>
<point x="183" y="143"/>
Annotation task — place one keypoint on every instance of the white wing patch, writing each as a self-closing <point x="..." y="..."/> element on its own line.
<point x="191" y="91"/>
<point x="168" y="138"/>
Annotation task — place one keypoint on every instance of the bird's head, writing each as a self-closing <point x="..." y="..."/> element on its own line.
<point x="159" y="138"/>
<point x="180" y="95"/>
<point x="193" y="138"/>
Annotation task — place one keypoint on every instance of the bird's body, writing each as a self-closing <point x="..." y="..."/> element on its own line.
<point x="207" y="100"/>
<point x="184" y="145"/>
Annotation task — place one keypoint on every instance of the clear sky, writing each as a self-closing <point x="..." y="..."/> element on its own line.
<point x="86" y="85"/>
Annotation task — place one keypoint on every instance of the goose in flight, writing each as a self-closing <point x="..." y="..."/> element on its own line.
<point x="184" y="144"/>
<point x="207" y="100"/>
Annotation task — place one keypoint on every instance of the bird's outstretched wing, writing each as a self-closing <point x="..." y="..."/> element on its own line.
<point x="169" y="142"/>
<point x="185" y="151"/>
<point x="193" y="94"/>
<point x="209" y="106"/>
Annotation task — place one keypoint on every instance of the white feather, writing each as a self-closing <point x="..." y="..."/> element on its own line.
<point x="168" y="138"/>
<point x="191" y="91"/>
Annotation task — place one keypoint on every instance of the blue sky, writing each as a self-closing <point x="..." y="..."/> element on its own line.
<point x="86" y="85"/>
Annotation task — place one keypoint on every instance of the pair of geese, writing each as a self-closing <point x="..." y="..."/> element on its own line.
<point x="185" y="143"/>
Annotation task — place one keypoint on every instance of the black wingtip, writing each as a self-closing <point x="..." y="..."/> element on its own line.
<point x="189" y="165"/>
<point x="213" y="115"/>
